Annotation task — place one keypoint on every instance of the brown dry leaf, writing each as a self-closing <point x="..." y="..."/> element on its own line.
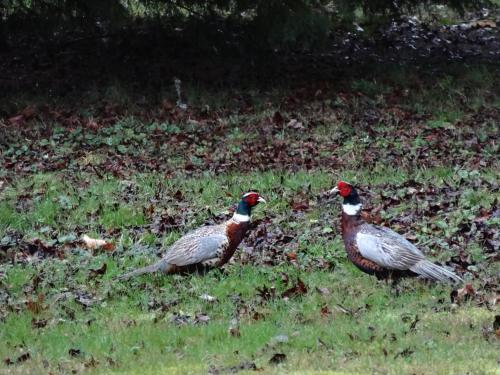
<point x="486" y="23"/>
<point x="16" y="120"/>
<point x="300" y="205"/>
<point x="95" y="272"/>
<point x="495" y="300"/>
<point x="463" y="294"/>
<point x="36" y="306"/>
<point x="29" y="112"/>
<point x="92" y="124"/>
<point x="325" y="311"/>
<point x="26" y="114"/>
<point x="496" y="326"/>
<point x="93" y="243"/>
<point x="298" y="289"/>
<point x="167" y="105"/>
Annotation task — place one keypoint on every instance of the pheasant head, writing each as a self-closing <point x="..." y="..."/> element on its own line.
<point x="352" y="204"/>
<point x="247" y="201"/>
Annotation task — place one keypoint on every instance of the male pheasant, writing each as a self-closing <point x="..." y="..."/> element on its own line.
<point x="206" y="247"/>
<point x="380" y="251"/>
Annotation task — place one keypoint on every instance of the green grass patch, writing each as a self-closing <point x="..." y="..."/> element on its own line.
<point x="423" y="156"/>
<point x="157" y="323"/>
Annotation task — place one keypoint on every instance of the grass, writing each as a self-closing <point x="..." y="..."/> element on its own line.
<point x="124" y="331"/>
<point x="140" y="341"/>
<point x="431" y="175"/>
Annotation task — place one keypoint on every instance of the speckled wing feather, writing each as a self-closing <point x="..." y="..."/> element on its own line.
<point x="200" y="245"/>
<point x="387" y="248"/>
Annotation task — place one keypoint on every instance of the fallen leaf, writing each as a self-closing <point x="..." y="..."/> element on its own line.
<point x="38" y="323"/>
<point x="36" y="306"/>
<point x="295" y="124"/>
<point x="300" y="205"/>
<point x="91" y="362"/>
<point x="485" y="23"/>
<point x="84" y="299"/>
<point x="74" y="352"/>
<point x="98" y="271"/>
<point x="23" y="357"/>
<point x="413" y="324"/>
<point x="266" y="293"/>
<point x="208" y="298"/>
<point x="284" y="276"/>
<point x="180" y="319"/>
<point x="93" y="243"/>
<point x="496" y="326"/>
<point x="29" y="112"/>
<point x="201" y="318"/>
<point x="404" y="353"/>
<point x="298" y="289"/>
<point x="277" y="358"/>
<point x="16" y="120"/>
<point x="7" y="361"/>
<point x="325" y="311"/>
<point x="323" y="291"/>
<point x="464" y="294"/>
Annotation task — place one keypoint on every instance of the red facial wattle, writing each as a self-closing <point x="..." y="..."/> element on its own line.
<point x="252" y="199"/>
<point x="344" y="189"/>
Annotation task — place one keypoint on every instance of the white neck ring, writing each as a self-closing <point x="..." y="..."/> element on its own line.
<point x="241" y="218"/>
<point x="351" y="209"/>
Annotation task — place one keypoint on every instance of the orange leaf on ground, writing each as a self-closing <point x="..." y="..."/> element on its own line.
<point x="94" y="243"/>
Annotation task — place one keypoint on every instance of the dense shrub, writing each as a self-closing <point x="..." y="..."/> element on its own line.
<point x="264" y="22"/>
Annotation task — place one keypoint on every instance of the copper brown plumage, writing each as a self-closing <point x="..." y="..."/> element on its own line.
<point x="206" y="247"/>
<point x="381" y="251"/>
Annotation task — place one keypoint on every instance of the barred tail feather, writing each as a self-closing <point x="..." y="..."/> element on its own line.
<point x="435" y="272"/>
<point x="159" y="266"/>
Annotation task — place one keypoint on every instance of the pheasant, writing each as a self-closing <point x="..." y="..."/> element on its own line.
<point x="206" y="247"/>
<point x="380" y="251"/>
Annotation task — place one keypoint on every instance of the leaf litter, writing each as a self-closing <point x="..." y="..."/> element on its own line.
<point x="271" y="242"/>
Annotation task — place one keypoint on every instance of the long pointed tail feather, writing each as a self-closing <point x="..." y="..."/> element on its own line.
<point x="435" y="272"/>
<point x="158" y="266"/>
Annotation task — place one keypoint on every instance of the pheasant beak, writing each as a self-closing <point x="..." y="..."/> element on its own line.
<point x="261" y="200"/>
<point x="335" y="190"/>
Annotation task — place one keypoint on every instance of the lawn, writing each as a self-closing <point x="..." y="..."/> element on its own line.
<point x="423" y="152"/>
